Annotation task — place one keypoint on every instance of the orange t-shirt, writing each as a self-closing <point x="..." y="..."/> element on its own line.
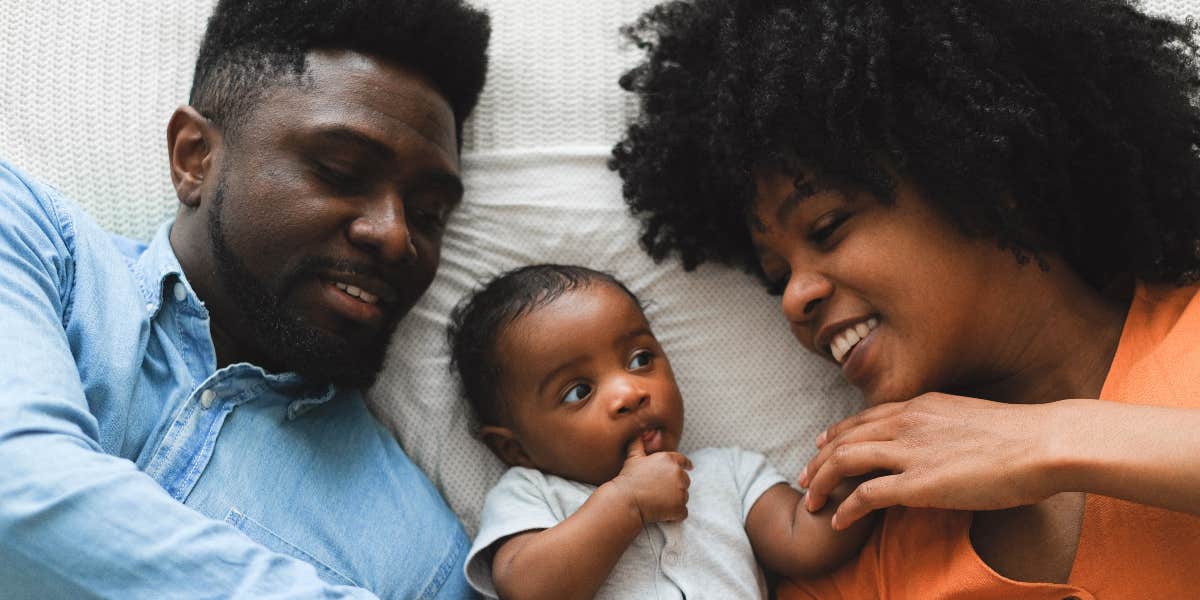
<point x="1126" y="550"/>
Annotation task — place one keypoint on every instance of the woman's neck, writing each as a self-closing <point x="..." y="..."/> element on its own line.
<point x="1062" y="345"/>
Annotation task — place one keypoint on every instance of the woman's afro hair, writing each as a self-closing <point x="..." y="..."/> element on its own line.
<point x="1066" y="126"/>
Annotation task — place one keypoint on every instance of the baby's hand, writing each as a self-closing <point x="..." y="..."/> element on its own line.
<point x="656" y="484"/>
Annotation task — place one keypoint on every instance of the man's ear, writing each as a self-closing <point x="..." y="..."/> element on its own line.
<point x="191" y="141"/>
<point x="505" y="446"/>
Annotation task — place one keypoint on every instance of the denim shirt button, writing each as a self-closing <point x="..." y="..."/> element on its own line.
<point x="206" y="399"/>
<point x="180" y="292"/>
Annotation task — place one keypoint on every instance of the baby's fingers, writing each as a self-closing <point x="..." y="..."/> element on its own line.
<point x="679" y="459"/>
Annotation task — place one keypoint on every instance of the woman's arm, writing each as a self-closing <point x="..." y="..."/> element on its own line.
<point x="963" y="453"/>
<point x="572" y="559"/>
<point x="793" y="542"/>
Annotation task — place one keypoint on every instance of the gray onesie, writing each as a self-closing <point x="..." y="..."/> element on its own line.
<point x="706" y="555"/>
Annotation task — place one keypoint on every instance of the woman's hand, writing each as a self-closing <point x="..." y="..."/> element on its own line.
<point x="935" y="451"/>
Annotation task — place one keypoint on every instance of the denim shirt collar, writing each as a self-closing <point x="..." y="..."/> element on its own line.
<point x="157" y="268"/>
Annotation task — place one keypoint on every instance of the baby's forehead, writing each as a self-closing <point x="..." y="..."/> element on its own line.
<point x="584" y="320"/>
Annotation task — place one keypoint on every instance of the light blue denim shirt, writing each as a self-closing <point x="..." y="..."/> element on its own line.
<point x="131" y="467"/>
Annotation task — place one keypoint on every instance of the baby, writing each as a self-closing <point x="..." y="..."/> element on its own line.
<point x="572" y="390"/>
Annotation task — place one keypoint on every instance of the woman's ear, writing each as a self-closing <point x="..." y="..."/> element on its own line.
<point x="505" y="446"/>
<point x="191" y="141"/>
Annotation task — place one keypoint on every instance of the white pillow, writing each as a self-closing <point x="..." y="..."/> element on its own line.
<point x="745" y="380"/>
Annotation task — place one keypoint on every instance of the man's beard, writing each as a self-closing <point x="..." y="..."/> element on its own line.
<point x="297" y="345"/>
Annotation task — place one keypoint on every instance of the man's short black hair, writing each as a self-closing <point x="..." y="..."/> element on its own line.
<point x="476" y="324"/>
<point x="1068" y="126"/>
<point x="250" y="45"/>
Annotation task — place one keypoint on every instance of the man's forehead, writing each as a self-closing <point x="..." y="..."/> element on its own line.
<point x="346" y="88"/>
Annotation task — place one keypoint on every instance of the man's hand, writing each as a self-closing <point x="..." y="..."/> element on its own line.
<point x="656" y="484"/>
<point x="939" y="451"/>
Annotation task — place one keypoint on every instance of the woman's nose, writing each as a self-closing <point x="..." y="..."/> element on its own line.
<point x="803" y="296"/>
<point x="383" y="228"/>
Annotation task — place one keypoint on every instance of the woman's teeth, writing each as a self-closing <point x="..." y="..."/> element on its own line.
<point x="359" y="293"/>
<point x="844" y="341"/>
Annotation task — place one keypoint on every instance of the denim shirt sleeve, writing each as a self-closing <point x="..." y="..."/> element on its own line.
<point x="75" y="521"/>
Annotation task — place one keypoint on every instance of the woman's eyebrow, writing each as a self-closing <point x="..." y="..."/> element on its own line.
<point x="789" y="205"/>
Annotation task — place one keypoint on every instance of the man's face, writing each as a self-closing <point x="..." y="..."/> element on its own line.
<point x="326" y="219"/>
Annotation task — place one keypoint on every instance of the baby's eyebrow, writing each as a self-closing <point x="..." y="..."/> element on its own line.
<point x="556" y="371"/>
<point x="629" y="335"/>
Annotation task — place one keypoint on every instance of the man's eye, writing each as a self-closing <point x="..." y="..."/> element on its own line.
<point x="641" y="359"/>
<point x="576" y="393"/>
<point x="340" y="181"/>
<point x="435" y="218"/>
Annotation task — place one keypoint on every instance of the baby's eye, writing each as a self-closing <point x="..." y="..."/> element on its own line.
<point x="576" y="393"/>
<point x="641" y="359"/>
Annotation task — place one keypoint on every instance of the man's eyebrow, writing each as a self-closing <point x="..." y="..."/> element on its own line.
<point x="349" y="137"/>
<point x="377" y="149"/>
<point x="441" y="179"/>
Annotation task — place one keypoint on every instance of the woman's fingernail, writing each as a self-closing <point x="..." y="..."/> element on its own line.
<point x="833" y="522"/>
<point x="821" y="439"/>
<point x="804" y="477"/>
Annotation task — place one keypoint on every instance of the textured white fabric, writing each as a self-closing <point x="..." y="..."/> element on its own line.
<point x="87" y="91"/>
<point x="707" y="555"/>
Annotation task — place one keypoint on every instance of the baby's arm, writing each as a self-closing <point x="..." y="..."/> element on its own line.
<point x="793" y="542"/>
<point x="572" y="559"/>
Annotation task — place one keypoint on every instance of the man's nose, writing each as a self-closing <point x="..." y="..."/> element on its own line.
<point x="383" y="228"/>
<point x="628" y="396"/>
<point x="803" y="295"/>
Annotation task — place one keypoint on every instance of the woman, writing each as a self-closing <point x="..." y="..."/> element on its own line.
<point x="988" y="213"/>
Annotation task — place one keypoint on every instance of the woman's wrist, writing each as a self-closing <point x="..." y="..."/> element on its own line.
<point x="1071" y="447"/>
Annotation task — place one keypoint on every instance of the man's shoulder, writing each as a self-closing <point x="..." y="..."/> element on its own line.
<point x="28" y="203"/>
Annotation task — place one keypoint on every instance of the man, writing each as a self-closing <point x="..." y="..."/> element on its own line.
<point x="185" y="418"/>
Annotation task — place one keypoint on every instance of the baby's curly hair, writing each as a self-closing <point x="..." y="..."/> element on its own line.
<point x="1069" y="126"/>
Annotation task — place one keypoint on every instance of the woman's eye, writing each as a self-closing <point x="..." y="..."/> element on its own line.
<point x="777" y="285"/>
<point x="576" y="393"/>
<point x="640" y="359"/>
<point x="827" y="225"/>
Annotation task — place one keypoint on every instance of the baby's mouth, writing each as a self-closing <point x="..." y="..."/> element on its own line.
<point x="652" y="439"/>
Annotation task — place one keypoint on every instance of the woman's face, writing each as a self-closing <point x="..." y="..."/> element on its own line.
<point x="895" y="294"/>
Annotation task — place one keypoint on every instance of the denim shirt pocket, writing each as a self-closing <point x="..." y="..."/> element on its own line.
<point x="257" y="532"/>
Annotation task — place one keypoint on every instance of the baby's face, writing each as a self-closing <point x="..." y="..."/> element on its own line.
<point x="582" y="378"/>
